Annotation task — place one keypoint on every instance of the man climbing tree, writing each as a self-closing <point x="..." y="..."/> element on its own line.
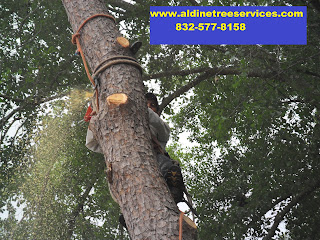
<point x="160" y="131"/>
<point x="121" y="125"/>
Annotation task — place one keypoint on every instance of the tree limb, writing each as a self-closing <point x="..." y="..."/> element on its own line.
<point x="214" y="71"/>
<point x="5" y="130"/>
<point x="11" y="98"/>
<point x="182" y="90"/>
<point x="296" y="199"/>
<point x="12" y="113"/>
<point x="194" y="2"/>
<point x="79" y="207"/>
<point x="316" y="5"/>
<point x="208" y="72"/>
<point x="307" y="72"/>
<point x="35" y="102"/>
<point x="28" y="15"/>
<point x="267" y="208"/>
<point x="216" y="48"/>
<point x="121" y="4"/>
<point x="176" y="73"/>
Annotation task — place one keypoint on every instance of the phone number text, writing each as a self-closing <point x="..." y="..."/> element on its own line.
<point x="211" y="27"/>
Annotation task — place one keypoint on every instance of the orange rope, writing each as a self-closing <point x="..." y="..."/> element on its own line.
<point x="75" y="40"/>
<point x="84" y="59"/>
<point x="94" y="16"/>
<point x="180" y="225"/>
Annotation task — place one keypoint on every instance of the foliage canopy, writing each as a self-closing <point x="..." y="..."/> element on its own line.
<point x="252" y="114"/>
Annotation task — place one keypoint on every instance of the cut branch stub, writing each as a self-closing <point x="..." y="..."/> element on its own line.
<point x="117" y="99"/>
<point x="189" y="229"/>
<point x="189" y="222"/>
<point x="123" y="42"/>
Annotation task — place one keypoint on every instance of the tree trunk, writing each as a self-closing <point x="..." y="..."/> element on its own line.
<point x="123" y="130"/>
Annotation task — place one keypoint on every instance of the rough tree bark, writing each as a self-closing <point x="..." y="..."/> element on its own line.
<point x="123" y="132"/>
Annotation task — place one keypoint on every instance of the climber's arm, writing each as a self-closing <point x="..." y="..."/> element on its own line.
<point x="159" y="128"/>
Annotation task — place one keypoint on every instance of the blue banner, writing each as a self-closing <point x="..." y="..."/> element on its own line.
<point x="228" y="25"/>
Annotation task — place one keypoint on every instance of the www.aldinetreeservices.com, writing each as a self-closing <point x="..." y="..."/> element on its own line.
<point x="226" y="14"/>
<point x="228" y="25"/>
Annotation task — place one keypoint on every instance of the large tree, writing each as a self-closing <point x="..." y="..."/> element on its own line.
<point x="258" y="105"/>
<point x="122" y="130"/>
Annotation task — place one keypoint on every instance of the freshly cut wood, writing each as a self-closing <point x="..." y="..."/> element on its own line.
<point x="189" y="222"/>
<point x="117" y="99"/>
<point x="189" y="229"/>
<point x="123" y="42"/>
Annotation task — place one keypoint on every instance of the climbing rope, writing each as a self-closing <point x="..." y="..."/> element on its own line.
<point x="75" y="40"/>
<point x="180" y="225"/>
<point x="105" y="63"/>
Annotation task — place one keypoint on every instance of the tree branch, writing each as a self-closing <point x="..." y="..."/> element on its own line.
<point x="5" y="130"/>
<point x="268" y="207"/>
<point x="35" y="102"/>
<point x="316" y="5"/>
<point x="11" y="98"/>
<point x="194" y="2"/>
<point x="296" y="199"/>
<point x="216" y="48"/>
<point x="307" y="72"/>
<point x="122" y="4"/>
<point x="79" y="207"/>
<point x="208" y="72"/>
<point x="28" y="15"/>
<point x="175" y="73"/>
<point x="182" y="90"/>
<point x="12" y="113"/>
<point x="44" y="100"/>
<point x="214" y="71"/>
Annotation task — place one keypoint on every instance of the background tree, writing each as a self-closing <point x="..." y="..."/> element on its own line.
<point x="258" y="105"/>
<point x="65" y="190"/>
